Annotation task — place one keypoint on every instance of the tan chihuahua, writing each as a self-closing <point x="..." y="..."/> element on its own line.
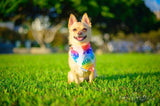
<point x="81" y="57"/>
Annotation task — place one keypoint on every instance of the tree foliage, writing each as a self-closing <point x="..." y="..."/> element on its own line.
<point x="108" y="15"/>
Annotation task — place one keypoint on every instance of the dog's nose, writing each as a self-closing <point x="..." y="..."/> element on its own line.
<point x="80" y="33"/>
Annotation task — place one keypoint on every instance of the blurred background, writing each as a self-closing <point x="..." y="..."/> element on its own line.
<point x="40" y="26"/>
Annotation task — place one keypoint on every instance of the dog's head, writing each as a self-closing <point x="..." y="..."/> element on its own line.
<point x="79" y="32"/>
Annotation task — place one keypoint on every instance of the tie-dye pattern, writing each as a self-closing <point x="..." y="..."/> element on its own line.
<point x="83" y="56"/>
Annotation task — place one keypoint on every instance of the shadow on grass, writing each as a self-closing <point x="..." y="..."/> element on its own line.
<point x="130" y="75"/>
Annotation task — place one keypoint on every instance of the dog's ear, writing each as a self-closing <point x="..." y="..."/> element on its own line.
<point x="72" y="20"/>
<point x="85" y="19"/>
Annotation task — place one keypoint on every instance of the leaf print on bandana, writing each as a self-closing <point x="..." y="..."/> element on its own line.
<point x="74" y="55"/>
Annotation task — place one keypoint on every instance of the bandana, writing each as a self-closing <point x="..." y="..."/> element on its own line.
<point x="83" y="56"/>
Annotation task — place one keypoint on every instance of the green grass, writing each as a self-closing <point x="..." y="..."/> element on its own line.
<point x="123" y="79"/>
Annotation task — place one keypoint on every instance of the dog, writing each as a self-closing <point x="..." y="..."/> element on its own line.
<point x="81" y="59"/>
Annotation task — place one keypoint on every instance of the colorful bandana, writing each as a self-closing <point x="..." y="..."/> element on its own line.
<point x="83" y="56"/>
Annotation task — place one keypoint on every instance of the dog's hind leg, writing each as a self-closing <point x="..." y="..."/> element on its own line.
<point x="91" y="76"/>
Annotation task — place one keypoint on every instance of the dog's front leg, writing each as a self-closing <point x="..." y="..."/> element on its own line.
<point x="91" y="77"/>
<point x="76" y="79"/>
<point x="70" y="77"/>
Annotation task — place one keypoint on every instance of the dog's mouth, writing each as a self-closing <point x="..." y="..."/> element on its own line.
<point x="80" y="38"/>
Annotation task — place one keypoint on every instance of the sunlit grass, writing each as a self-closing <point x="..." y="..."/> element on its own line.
<point x="131" y="79"/>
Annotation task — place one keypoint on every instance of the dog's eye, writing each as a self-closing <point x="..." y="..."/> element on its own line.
<point x="84" y="29"/>
<point x="74" y="29"/>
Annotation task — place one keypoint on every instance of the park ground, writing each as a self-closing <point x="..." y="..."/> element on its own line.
<point x="123" y="79"/>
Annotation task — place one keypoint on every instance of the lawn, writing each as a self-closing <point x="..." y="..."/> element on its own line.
<point x="123" y="79"/>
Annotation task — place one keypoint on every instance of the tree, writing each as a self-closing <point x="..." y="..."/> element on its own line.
<point x="111" y="15"/>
